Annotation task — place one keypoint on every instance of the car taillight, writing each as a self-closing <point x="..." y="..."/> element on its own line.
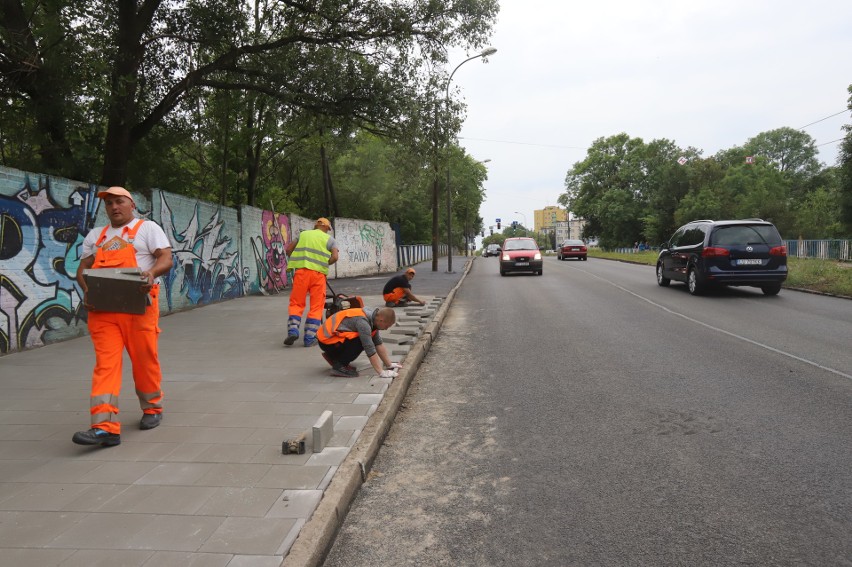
<point x="778" y="251"/>
<point x="713" y="251"/>
<point x="582" y="248"/>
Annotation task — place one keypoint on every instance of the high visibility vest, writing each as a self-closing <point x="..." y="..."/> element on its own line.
<point x="311" y="251"/>
<point x="329" y="334"/>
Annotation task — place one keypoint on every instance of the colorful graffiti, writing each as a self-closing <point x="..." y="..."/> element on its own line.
<point x="269" y="252"/>
<point x="204" y="270"/>
<point x="40" y="243"/>
<point x="373" y="235"/>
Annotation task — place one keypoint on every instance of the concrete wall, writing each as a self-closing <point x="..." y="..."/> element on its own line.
<point x="366" y="247"/>
<point x="219" y="253"/>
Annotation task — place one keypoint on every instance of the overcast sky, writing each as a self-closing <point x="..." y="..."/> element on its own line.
<point x="705" y="74"/>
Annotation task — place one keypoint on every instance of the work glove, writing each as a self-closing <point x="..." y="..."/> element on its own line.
<point x="389" y="374"/>
<point x="394" y="366"/>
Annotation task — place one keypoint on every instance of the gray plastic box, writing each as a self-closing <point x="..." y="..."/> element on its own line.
<point x="116" y="290"/>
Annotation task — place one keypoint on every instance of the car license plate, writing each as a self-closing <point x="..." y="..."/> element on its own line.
<point x="750" y="262"/>
<point x="574" y="249"/>
<point x="522" y="263"/>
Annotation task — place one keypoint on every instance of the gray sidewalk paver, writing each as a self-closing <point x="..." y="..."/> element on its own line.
<point x="210" y="486"/>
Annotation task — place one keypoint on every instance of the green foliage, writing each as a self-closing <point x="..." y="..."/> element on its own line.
<point x="845" y="175"/>
<point x="630" y="191"/>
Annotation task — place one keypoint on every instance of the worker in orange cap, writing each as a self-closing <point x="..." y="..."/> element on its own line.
<point x="397" y="291"/>
<point x="126" y="242"/>
<point x="310" y="256"/>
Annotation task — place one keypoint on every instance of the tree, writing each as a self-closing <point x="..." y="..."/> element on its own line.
<point x="844" y="162"/>
<point x="150" y="61"/>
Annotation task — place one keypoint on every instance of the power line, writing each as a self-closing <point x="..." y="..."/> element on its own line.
<point x="826" y="118"/>
<point x="831" y="142"/>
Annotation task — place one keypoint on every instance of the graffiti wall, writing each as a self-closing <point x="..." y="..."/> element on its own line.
<point x="264" y="237"/>
<point x="43" y="221"/>
<point x="366" y="247"/>
<point x="205" y="242"/>
<point x="218" y="254"/>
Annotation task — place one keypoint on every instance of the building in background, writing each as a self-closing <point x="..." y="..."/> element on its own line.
<point x="545" y="219"/>
<point x="570" y="230"/>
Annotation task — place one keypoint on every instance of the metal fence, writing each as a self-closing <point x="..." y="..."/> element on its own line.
<point x="823" y="249"/>
<point x="408" y="255"/>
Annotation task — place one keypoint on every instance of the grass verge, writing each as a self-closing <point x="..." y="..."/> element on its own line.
<point x="824" y="276"/>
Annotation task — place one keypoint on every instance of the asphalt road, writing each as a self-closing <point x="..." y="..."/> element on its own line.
<point x="589" y="417"/>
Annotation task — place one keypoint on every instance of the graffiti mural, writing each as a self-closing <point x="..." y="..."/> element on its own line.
<point x="268" y="251"/>
<point x="365" y="247"/>
<point x="205" y="269"/>
<point x="40" y="241"/>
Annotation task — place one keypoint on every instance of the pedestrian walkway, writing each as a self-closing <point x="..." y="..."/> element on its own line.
<point x="211" y="486"/>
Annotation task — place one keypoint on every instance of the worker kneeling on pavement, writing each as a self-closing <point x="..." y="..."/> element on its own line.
<point x="348" y="333"/>
<point x="397" y="291"/>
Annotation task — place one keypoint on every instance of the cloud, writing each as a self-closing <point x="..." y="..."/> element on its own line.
<point x="704" y="74"/>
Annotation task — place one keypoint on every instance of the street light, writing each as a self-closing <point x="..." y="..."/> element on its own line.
<point x="525" y="221"/>
<point x="484" y="53"/>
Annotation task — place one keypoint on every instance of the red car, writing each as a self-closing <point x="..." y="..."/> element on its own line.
<point x="520" y="255"/>
<point x="572" y="249"/>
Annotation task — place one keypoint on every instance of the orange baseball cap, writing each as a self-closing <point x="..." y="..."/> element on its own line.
<point x="324" y="221"/>
<point x="116" y="192"/>
<point x="410" y="271"/>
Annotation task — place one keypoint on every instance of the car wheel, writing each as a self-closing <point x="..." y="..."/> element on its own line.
<point x="584" y="258"/>
<point x="662" y="280"/>
<point x="771" y="289"/>
<point x="502" y="273"/>
<point x="692" y="282"/>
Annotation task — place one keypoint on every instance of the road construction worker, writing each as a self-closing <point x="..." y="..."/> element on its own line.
<point x="397" y="291"/>
<point x="126" y="242"/>
<point x="348" y="333"/>
<point x="310" y="256"/>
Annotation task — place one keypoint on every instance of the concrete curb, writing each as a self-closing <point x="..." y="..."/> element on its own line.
<point x="317" y="536"/>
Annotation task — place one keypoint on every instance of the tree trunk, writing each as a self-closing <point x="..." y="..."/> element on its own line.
<point x="122" y="107"/>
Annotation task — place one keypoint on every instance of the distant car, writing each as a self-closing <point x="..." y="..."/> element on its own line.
<point x="707" y="253"/>
<point x="572" y="249"/>
<point x="520" y="255"/>
<point x="491" y="250"/>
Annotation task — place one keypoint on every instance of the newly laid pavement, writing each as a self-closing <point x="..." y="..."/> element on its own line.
<point x="211" y="486"/>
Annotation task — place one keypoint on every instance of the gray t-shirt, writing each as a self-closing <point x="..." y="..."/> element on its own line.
<point x="364" y="326"/>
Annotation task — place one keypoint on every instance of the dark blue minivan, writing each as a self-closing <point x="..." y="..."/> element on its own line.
<point x="705" y="253"/>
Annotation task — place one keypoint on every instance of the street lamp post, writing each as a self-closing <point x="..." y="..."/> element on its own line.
<point x="484" y="53"/>
<point x="526" y="230"/>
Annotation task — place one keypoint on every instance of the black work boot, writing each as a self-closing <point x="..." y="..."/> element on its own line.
<point x="95" y="436"/>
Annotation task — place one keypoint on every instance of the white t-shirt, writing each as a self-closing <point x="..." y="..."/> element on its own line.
<point x="149" y="238"/>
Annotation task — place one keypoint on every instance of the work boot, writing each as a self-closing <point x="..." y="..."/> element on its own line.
<point x="310" y="341"/>
<point x="345" y="371"/>
<point x="150" y="420"/>
<point x="290" y="339"/>
<point x="95" y="436"/>
<point x="390" y="304"/>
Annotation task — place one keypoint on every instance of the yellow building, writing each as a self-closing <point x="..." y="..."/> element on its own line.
<point x="545" y="219"/>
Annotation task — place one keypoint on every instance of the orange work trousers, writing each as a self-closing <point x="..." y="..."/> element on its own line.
<point x="112" y="333"/>
<point x="397" y="294"/>
<point x="307" y="282"/>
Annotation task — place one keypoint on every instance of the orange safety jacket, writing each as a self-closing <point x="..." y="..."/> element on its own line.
<point x="329" y="334"/>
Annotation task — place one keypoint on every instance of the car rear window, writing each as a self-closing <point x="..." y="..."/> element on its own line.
<point x="573" y="243"/>
<point x="523" y="244"/>
<point x="742" y="234"/>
